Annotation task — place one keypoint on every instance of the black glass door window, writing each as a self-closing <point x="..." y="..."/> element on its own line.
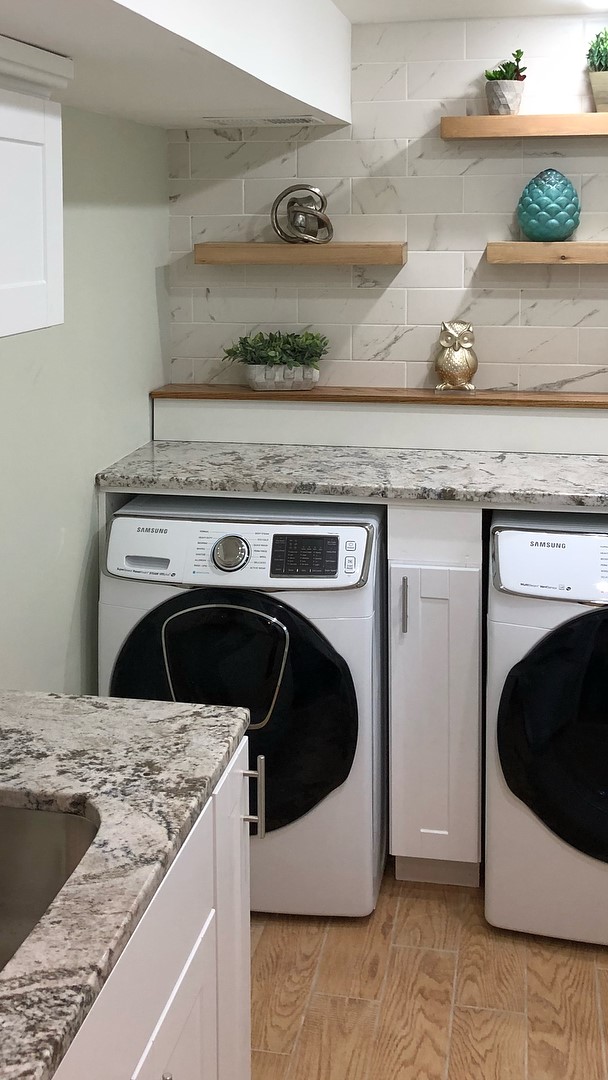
<point x="553" y="732"/>
<point x="235" y="647"/>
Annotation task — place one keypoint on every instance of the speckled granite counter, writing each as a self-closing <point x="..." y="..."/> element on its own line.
<point x="484" y="477"/>
<point x="146" y="769"/>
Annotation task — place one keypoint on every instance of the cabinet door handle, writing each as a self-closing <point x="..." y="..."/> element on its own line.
<point x="259" y="774"/>
<point x="404" y="605"/>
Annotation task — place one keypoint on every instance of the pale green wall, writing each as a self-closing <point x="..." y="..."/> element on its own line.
<point x="74" y="398"/>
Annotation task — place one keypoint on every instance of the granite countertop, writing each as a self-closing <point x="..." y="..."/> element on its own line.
<point x="145" y="769"/>
<point x="485" y="477"/>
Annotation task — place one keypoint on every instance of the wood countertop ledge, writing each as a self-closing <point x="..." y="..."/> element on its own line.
<point x="371" y="395"/>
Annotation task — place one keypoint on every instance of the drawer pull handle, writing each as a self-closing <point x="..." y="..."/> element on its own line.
<point x="404" y="605"/>
<point x="167" y="1076"/>
<point x="259" y="774"/>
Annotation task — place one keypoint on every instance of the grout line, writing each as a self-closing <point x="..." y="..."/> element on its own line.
<point x="451" y="1020"/>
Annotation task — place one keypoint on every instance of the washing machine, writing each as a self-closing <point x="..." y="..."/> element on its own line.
<point x="277" y="606"/>
<point x="546" y="868"/>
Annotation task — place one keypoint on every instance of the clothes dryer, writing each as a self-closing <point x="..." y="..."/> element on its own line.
<point x="277" y="606"/>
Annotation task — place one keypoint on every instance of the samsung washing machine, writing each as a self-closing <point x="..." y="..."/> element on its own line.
<point x="547" y="726"/>
<point x="277" y="606"/>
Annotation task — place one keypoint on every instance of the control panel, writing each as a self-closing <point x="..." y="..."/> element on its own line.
<point x="261" y="555"/>
<point x="555" y="565"/>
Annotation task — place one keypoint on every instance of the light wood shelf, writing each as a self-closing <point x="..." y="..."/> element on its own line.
<point x="363" y="395"/>
<point x="526" y="127"/>
<point x="569" y="253"/>
<point x="332" y="254"/>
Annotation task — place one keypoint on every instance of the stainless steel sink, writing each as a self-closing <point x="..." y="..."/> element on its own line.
<point x="39" y="849"/>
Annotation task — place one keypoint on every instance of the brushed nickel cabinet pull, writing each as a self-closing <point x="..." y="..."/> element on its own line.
<point x="404" y="605"/>
<point x="259" y="774"/>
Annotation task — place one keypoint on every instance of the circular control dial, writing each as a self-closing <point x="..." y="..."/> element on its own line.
<point x="231" y="553"/>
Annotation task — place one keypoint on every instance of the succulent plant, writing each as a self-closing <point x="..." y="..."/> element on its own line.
<point x="597" y="56"/>
<point x="509" y="69"/>
<point x="292" y="350"/>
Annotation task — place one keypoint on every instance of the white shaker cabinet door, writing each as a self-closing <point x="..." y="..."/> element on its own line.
<point x="31" y="214"/>
<point x="434" y="712"/>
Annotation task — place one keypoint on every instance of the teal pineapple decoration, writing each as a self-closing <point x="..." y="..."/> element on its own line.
<point x="549" y="207"/>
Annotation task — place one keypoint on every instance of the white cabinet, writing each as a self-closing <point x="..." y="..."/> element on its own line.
<point x="183" y="978"/>
<point x="435" y="698"/>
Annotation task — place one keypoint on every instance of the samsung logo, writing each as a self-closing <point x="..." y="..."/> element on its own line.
<point x="546" y="544"/>
<point x="148" y="529"/>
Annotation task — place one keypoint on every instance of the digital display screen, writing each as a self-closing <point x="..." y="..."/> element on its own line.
<point x="304" y="556"/>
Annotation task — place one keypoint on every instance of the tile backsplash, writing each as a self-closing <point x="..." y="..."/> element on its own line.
<point x="390" y="177"/>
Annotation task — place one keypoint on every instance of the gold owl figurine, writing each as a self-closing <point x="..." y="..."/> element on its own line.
<point x="456" y="363"/>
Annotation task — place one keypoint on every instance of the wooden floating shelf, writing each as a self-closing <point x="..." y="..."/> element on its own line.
<point x="526" y="127"/>
<point x="363" y="395"/>
<point x="570" y="253"/>
<point x="332" y="254"/>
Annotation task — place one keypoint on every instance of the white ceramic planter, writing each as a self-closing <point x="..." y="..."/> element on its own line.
<point x="599" y="85"/>
<point x="280" y="377"/>
<point x="504" y="96"/>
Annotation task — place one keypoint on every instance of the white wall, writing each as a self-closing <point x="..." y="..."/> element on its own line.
<point x="75" y="397"/>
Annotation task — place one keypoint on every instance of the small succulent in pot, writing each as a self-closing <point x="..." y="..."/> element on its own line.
<point x="280" y="361"/>
<point x="504" y="86"/>
<point x="597" y="59"/>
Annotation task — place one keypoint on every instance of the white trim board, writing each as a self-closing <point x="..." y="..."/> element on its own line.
<point x="560" y="431"/>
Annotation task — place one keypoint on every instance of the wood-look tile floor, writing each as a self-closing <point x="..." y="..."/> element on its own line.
<point x="424" y="989"/>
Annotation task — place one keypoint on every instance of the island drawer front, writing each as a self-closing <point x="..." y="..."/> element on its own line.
<point x="149" y="967"/>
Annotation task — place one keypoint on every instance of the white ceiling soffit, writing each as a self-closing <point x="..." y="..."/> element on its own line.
<point x="376" y="11"/>
<point x="127" y="65"/>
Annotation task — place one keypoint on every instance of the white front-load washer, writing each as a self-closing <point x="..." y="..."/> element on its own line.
<point x="277" y="606"/>
<point x="546" y="864"/>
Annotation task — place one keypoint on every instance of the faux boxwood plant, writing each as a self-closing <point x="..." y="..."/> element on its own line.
<point x="597" y="57"/>
<point x="509" y="69"/>
<point x="291" y="350"/>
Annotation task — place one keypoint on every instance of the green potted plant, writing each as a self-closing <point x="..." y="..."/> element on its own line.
<point x="280" y="361"/>
<point x="597" y="58"/>
<point x="504" y="86"/>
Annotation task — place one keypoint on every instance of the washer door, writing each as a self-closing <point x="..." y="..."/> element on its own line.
<point x="235" y="647"/>
<point x="553" y="732"/>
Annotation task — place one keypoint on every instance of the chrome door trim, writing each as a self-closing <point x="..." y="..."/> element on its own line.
<point x="231" y="607"/>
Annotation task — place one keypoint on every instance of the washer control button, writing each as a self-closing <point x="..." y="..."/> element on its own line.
<point x="350" y="564"/>
<point x="350" y="545"/>
<point x="231" y="553"/>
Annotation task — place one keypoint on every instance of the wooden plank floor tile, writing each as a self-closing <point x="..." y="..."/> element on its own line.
<point x="429" y="916"/>
<point x="336" y="1040"/>
<point x="488" y="1045"/>
<point x="491" y="962"/>
<point x="356" y="953"/>
<point x="286" y="960"/>
<point x="265" y="1066"/>
<point x="412" y="1037"/>
<point x="564" y="1038"/>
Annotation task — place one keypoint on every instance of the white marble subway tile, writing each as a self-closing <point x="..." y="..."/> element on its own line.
<point x="593" y="346"/>
<point x="312" y="276"/>
<point x="552" y="101"/>
<point x="445" y="78"/>
<point x="351" y="305"/>
<point x="593" y="192"/>
<point x="260" y="194"/>
<point x="526" y="344"/>
<point x="214" y="370"/>
<point x="559" y="37"/>
<point x="177" y="135"/>
<point x="224" y="305"/>
<point x="202" y="340"/>
<point x="368" y="157"/>
<point x="402" y="119"/>
<point x="492" y="194"/>
<point x="361" y="373"/>
<point x="183" y="272"/>
<point x="564" y="378"/>
<point x="492" y="377"/>
<point x="470" y="157"/>
<point x="206" y="196"/>
<point x="428" y="40"/>
<point x="478" y="273"/>
<point x="220" y="227"/>
<point x="181" y="370"/>
<point x="180" y="305"/>
<point x="459" y="232"/>
<point x="406" y="194"/>
<point x="180" y="234"/>
<point x="269" y="133"/>
<point x="178" y="155"/>
<point x="423" y="270"/>
<point x="340" y="337"/>
<point x="237" y="159"/>
<point x="370" y="227"/>
<point x="592" y="227"/>
<point x="594" y="276"/>
<point x="379" y="82"/>
<point x="573" y="155"/>
<point x="483" y="307"/>
<point x="561" y="308"/>
<point x="396" y="342"/>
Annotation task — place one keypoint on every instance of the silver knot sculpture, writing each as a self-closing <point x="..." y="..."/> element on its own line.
<point x="305" y="220"/>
